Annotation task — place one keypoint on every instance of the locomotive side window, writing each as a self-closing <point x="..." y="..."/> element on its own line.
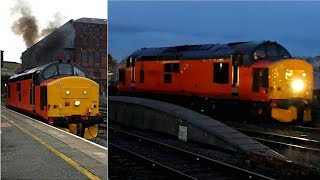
<point x="175" y="67"/>
<point x="167" y="67"/>
<point x="65" y="69"/>
<point x="172" y="67"/>
<point x="221" y="73"/>
<point x="167" y="78"/>
<point x="50" y="72"/>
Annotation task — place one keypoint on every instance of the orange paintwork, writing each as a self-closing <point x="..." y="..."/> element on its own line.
<point x="195" y="78"/>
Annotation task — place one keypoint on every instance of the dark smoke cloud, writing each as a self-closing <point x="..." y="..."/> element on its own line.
<point x="27" y="25"/>
<point x="52" y="25"/>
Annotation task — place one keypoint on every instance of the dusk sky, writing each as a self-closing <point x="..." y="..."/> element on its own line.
<point x="134" y="25"/>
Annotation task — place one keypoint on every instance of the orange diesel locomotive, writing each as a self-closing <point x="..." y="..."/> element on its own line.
<point x="60" y="94"/>
<point x="261" y="73"/>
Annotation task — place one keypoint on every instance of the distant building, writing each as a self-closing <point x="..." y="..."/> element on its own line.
<point x="8" y="69"/>
<point x="83" y="41"/>
<point x="1" y="57"/>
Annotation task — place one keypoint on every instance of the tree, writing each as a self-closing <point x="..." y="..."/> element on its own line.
<point x="112" y="63"/>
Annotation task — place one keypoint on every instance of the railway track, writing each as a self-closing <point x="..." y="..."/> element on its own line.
<point x="176" y="161"/>
<point x="304" y="150"/>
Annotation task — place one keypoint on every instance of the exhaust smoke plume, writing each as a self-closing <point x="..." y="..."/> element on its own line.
<point x="27" y="25"/>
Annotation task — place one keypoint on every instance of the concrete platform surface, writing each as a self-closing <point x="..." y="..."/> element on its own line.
<point x="33" y="150"/>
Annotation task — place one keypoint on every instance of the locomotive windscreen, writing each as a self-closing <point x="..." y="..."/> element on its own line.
<point x="271" y="51"/>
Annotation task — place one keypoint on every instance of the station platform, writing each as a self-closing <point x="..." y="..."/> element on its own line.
<point x="31" y="149"/>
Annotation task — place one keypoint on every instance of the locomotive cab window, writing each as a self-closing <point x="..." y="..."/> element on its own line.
<point x="221" y="73"/>
<point x="79" y="72"/>
<point x="50" y="72"/>
<point x="65" y="69"/>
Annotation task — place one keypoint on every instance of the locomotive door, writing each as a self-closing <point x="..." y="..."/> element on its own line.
<point x="35" y="81"/>
<point x="236" y="63"/>
<point x="131" y="64"/>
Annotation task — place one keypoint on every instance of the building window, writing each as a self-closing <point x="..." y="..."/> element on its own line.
<point x="97" y="41"/>
<point x="97" y="30"/>
<point x="221" y="73"/>
<point x="84" y="40"/>
<point x="97" y="74"/>
<point x="97" y="56"/>
<point x="84" y="56"/>
<point x="84" y="29"/>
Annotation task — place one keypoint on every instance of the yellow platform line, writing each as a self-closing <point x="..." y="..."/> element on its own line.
<point x="60" y="154"/>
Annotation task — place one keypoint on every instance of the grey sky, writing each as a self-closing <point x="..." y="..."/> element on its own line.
<point x="133" y="25"/>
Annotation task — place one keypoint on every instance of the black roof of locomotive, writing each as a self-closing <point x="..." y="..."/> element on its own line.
<point x="29" y="72"/>
<point x="204" y="51"/>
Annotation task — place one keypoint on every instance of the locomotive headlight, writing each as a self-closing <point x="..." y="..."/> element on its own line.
<point x="67" y="92"/>
<point x="297" y="85"/>
<point x="77" y="103"/>
<point x="303" y="74"/>
<point x="84" y="92"/>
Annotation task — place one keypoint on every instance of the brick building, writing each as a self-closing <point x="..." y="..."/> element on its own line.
<point x="83" y="41"/>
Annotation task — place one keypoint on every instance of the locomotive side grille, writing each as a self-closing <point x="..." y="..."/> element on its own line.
<point x="43" y="97"/>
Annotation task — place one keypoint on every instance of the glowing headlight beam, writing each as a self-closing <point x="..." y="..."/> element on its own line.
<point x="77" y="103"/>
<point x="297" y="85"/>
<point x="67" y="92"/>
